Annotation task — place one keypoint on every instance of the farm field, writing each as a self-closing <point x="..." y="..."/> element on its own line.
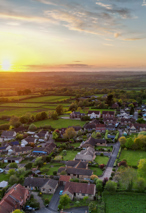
<point x="96" y="171"/>
<point x="69" y="156"/>
<point x="22" y="105"/>
<point x="101" y="160"/>
<point x="47" y="99"/>
<point x="3" y="122"/>
<point x="19" y="111"/>
<point x="60" y="123"/>
<point x="132" y="157"/>
<point x="125" y="203"/>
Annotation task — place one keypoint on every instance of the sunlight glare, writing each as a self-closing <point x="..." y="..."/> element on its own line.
<point x="6" y="65"/>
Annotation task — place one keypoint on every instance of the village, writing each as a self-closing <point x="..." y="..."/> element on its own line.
<point x="46" y="170"/>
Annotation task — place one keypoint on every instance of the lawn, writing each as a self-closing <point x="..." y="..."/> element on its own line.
<point x="48" y="99"/>
<point x="125" y="203"/>
<point x="49" y="196"/>
<point x="104" y="147"/>
<point x="132" y="157"/>
<point x="96" y="171"/>
<point x="60" y="123"/>
<point x="101" y="160"/>
<point x="52" y="167"/>
<point x="70" y="155"/>
<point x="3" y="176"/>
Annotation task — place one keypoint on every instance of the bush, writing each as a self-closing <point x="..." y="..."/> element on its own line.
<point x="101" y="154"/>
<point x="54" y="172"/>
<point x="47" y="201"/>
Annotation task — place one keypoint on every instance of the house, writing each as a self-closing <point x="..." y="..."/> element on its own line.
<point x="8" y="135"/>
<point x="3" y="184"/>
<point x="12" y="159"/>
<point x="76" y="128"/>
<point x="20" y="129"/>
<point x="82" y="174"/>
<point x="76" y="114"/>
<point x="110" y="127"/>
<point x="92" y="142"/>
<point x="89" y="126"/>
<point x="108" y="114"/>
<point x="80" y="190"/>
<point x="100" y="127"/>
<point x="136" y="127"/>
<point x="15" y="198"/>
<point x="14" y="143"/>
<point x="45" y="185"/>
<point x="42" y="135"/>
<point x="49" y="148"/>
<point x="86" y="155"/>
<point x="21" y="150"/>
<point x="115" y="106"/>
<point x="28" y="140"/>
<point x="110" y="121"/>
<point x="127" y="121"/>
<point x="64" y="179"/>
<point x="94" y="114"/>
<point x="3" y="149"/>
<point x="77" y="164"/>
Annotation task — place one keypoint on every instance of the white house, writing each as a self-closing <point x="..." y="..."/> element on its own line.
<point x="94" y="114"/>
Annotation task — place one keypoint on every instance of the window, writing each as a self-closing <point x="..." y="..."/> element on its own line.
<point x="83" y="194"/>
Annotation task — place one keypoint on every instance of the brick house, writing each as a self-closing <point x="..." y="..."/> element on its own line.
<point x="79" y="190"/>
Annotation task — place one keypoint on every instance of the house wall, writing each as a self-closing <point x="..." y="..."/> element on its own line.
<point x="81" y="196"/>
<point x="48" y="189"/>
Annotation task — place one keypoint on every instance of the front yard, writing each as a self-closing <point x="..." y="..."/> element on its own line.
<point x="132" y="156"/>
<point x="96" y="171"/>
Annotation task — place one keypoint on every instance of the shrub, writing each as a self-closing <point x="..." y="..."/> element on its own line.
<point x="101" y="154"/>
<point x="54" y="172"/>
<point x="47" y="201"/>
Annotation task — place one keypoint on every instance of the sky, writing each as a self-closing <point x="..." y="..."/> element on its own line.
<point x="72" y="35"/>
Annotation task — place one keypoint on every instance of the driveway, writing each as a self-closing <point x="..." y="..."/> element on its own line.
<point x="38" y="198"/>
<point x="53" y="205"/>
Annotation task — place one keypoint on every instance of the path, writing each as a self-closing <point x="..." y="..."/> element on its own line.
<point x="111" y="162"/>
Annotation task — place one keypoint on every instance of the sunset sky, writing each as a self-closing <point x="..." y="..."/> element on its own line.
<point x="72" y="35"/>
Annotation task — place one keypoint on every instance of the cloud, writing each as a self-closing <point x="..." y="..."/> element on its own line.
<point x="133" y="39"/>
<point x="116" y="35"/>
<point x="107" y="6"/>
<point x="144" y="3"/>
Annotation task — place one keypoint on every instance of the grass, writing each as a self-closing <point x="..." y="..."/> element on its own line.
<point x="60" y="123"/>
<point x="3" y="122"/>
<point x="72" y="144"/>
<point x="47" y="99"/>
<point x="70" y="155"/>
<point x="96" y="171"/>
<point x="101" y="160"/>
<point x="55" y="167"/>
<point x="3" y="176"/>
<point x="104" y="147"/>
<point x="49" y="196"/>
<point x="125" y="203"/>
<point x="132" y="157"/>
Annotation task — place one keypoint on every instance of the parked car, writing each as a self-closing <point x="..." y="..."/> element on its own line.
<point x="61" y="191"/>
<point x="1" y="170"/>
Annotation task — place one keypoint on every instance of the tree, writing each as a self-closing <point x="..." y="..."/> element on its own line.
<point x="18" y="211"/>
<point x="14" y="121"/>
<point x="13" y="179"/>
<point x="54" y="115"/>
<point x="32" y="127"/>
<point x="93" y="177"/>
<point x="109" y="99"/>
<point x="13" y="165"/>
<point x="92" y="206"/>
<point x="99" y="185"/>
<point x="141" y="121"/>
<point x="11" y="172"/>
<point x="55" y="134"/>
<point x="122" y="141"/>
<point x="142" y="167"/>
<point x="140" y="184"/>
<point x="28" y="165"/>
<point x="59" y="109"/>
<point x="111" y="186"/>
<point x="64" y="200"/>
<point x="38" y="161"/>
<point x="69" y="133"/>
<point x="129" y="143"/>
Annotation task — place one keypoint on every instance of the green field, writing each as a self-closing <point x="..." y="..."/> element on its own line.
<point x="60" y="123"/>
<point x="3" y="122"/>
<point x="132" y="157"/>
<point x="21" y="104"/>
<point x="96" y="171"/>
<point x="101" y="160"/>
<point x="101" y="110"/>
<point x="47" y="99"/>
<point x="125" y="203"/>
<point x="70" y="155"/>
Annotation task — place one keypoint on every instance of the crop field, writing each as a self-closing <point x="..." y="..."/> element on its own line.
<point x="47" y="99"/>
<point x="60" y="123"/>
<point x="125" y="203"/>
<point x="132" y="157"/>
<point x="22" y="105"/>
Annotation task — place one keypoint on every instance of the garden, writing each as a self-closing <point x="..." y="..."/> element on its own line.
<point x="101" y="160"/>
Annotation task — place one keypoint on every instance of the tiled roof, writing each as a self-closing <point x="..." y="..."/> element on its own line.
<point x="83" y="188"/>
<point x="64" y="178"/>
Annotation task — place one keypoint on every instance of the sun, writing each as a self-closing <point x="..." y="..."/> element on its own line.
<point x="6" y="65"/>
